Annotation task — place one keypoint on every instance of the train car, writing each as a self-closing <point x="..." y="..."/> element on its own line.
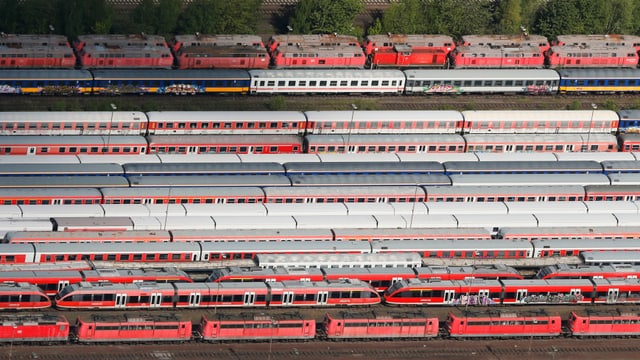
<point x="111" y="224"/>
<point x="377" y="325"/>
<point x="493" y="57"/>
<point x="224" y="144"/>
<point x="252" y="235"/>
<point x="512" y="193"/>
<point x="34" y="328"/>
<point x="552" y="291"/>
<point x="405" y="56"/>
<point x="249" y="274"/>
<point x="202" y="168"/>
<point x="581" y="271"/>
<point x="598" y="40"/>
<point x="49" y="196"/>
<point x="502" y="324"/>
<point x="444" y="292"/>
<point x="59" y="169"/>
<point x="523" y="39"/>
<point x="383" y="143"/>
<point x="541" y="121"/>
<point x="629" y="142"/>
<point x="123" y="252"/>
<point x="236" y="250"/>
<point x="275" y="41"/>
<point x="101" y="57"/>
<point x="326" y="82"/>
<point x="169" y="82"/>
<point x="569" y="232"/>
<point x="226" y="122"/>
<point x="346" y="194"/>
<point x="51" y="40"/>
<point x="106" y="295"/>
<point x="573" y="247"/>
<point x="21" y="296"/>
<point x="341" y="292"/>
<point x="370" y="235"/>
<point x="611" y="257"/>
<point x="202" y="51"/>
<point x="528" y="179"/>
<point x="369" y="168"/>
<point x="620" y="166"/>
<point x="364" y="180"/>
<point x="207" y="180"/>
<point x="616" y="291"/>
<point x="602" y="322"/>
<point x="380" y="278"/>
<point x="133" y="327"/>
<point x="476" y="271"/>
<point x="448" y="249"/>
<point x="612" y="192"/>
<point x="599" y="81"/>
<point x="505" y="143"/>
<point x="182" y="195"/>
<point x="257" y="327"/>
<point x="50" y="281"/>
<point x="485" y="81"/>
<point x="72" y="145"/>
<point x="69" y="236"/>
<point x="520" y="167"/>
<point x="383" y="122"/>
<point x="45" y="82"/>
<point x="63" y="181"/>
<point x="37" y="56"/>
<point x="629" y="121"/>
<point x="577" y="56"/>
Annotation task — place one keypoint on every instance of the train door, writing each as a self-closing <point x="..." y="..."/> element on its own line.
<point x="194" y="299"/>
<point x="508" y="148"/>
<point x="575" y="293"/>
<point x="351" y="149"/>
<point x="31" y="150"/>
<point x="448" y="296"/>
<point x="323" y="296"/>
<point x="569" y="147"/>
<point x="121" y="300"/>
<point x="62" y="284"/>
<point x="287" y="298"/>
<point x="483" y="297"/>
<point x="155" y="300"/>
<point x="56" y="202"/>
<point x="249" y="298"/>
<point x="192" y="149"/>
<point x="612" y="296"/>
<point x="521" y="295"/>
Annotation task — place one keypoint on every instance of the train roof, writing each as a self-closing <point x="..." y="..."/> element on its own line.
<point x="540" y="138"/>
<point x="411" y="39"/>
<point x="116" y="159"/>
<point x="63" y="181"/>
<point x="617" y="207"/>
<point x="606" y="39"/>
<point x="356" y="158"/>
<point x="416" y="232"/>
<point x="386" y="139"/>
<point x="597" y="156"/>
<point x="309" y="209"/>
<point x="434" y="245"/>
<point x="366" y="179"/>
<point x="339" y="74"/>
<point x="276" y="247"/>
<point x="499" y="51"/>
<point x="252" y="235"/>
<point x="253" y="222"/>
<point x="594" y="51"/>
<point x="539" y="115"/>
<point x="165" y="74"/>
<point x="590" y="73"/>
<point x="134" y="319"/>
<point x="513" y="190"/>
<point x="419" y="116"/>
<point x="509" y="166"/>
<point x="610" y="257"/>
<point x="130" y="248"/>
<point x="629" y="114"/>
<point x="338" y="260"/>
<point x="587" y="244"/>
<point x="468" y="208"/>
<point x="625" y="178"/>
<point x="333" y="284"/>
<point x="223" y="139"/>
<point x="207" y="180"/>
<point x="515" y="156"/>
<point x="362" y="167"/>
<point x="60" y="169"/>
<point x="48" y="74"/>
<point x="88" y="235"/>
<point x="483" y="74"/>
<point x="504" y="39"/>
<point x="182" y="191"/>
<point x="48" y="211"/>
<point x="218" y="40"/>
<point x="49" y="192"/>
<point x="540" y="207"/>
<point x="201" y="168"/>
<point x="374" y="191"/>
<point x="228" y="116"/>
<point x="620" y="165"/>
<point x="224" y="209"/>
<point x="528" y="179"/>
<point x="78" y="140"/>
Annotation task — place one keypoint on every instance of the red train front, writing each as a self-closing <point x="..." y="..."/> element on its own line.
<point x="257" y="326"/>
<point x="30" y="328"/>
<point x="601" y="322"/>
<point x="134" y="327"/>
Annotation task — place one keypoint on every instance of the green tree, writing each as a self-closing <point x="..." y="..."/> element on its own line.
<point x="326" y="16"/>
<point x="219" y="17"/>
<point x="144" y="16"/>
<point x="167" y="15"/>
<point x="508" y="17"/>
<point x="35" y="16"/>
<point x="9" y="10"/>
<point x="406" y="17"/>
<point x="559" y="17"/>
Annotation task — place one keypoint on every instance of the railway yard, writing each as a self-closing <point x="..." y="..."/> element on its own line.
<point x="490" y="211"/>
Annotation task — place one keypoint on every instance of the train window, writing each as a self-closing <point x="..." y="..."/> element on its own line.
<point x="271" y="83"/>
<point x="323" y="83"/>
<point x="313" y="83"/>
<point x="354" y="82"/>
<point x="364" y="83"/>
<point x="281" y="83"/>
<point x="508" y="83"/>
<point x="333" y="83"/>
<point x="374" y="82"/>
<point x="498" y="83"/>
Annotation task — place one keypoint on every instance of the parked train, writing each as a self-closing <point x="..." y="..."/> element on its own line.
<point x="320" y="51"/>
<point x="353" y="325"/>
<point x="384" y="122"/>
<point x="312" y="82"/>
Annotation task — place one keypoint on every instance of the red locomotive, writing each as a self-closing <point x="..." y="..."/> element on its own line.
<point x="595" y="322"/>
<point x="319" y="40"/>
<point x="470" y="57"/>
<point x="35" y="51"/>
<point x="401" y="50"/>
<point x="507" y="40"/>
<point x="31" y="328"/>
<point x="135" y="327"/>
<point x="599" y="40"/>
<point x="123" y="51"/>
<point x="497" y="323"/>
<point x="575" y="56"/>
<point x="257" y="326"/>
<point x="201" y="51"/>
<point x="372" y="325"/>
<point x="301" y="56"/>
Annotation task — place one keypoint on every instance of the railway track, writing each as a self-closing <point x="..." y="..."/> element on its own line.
<point x="300" y="103"/>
